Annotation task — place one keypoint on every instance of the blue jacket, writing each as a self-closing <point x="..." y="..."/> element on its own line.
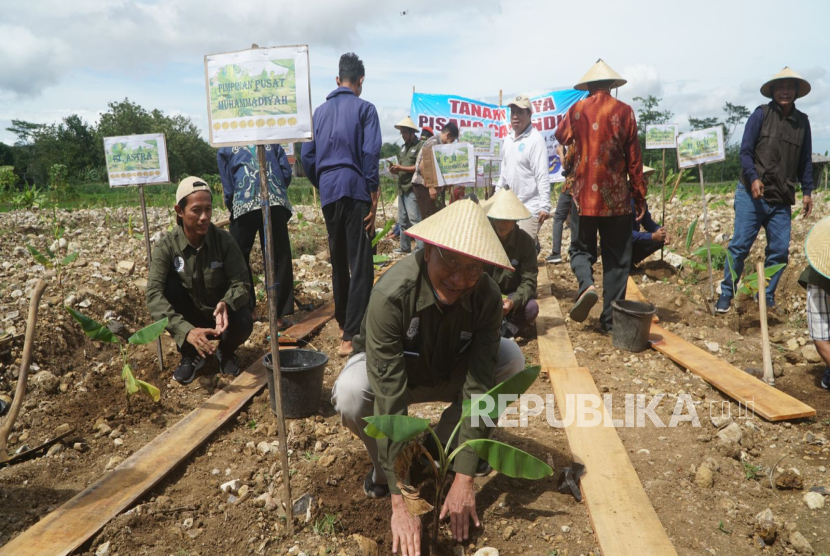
<point x="650" y="225"/>
<point x="342" y="160"/>
<point x="239" y="172"/>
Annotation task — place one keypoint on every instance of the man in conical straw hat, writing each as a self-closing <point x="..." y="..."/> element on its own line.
<point x="431" y="333"/>
<point x="775" y="156"/>
<point x="408" y="213"/>
<point x="608" y="174"/>
<point x="816" y="279"/>
<point x="648" y="236"/>
<point x="517" y="286"/>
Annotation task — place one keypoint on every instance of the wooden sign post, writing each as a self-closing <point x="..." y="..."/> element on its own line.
<point x="136" y="160"/>
<point x="276" y="110"/>
<point x="697" y="148"/>
<point x="662" y="136"/>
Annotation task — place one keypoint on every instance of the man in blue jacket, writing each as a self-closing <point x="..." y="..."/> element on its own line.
<point x="239" y="172"/>
<point x="775" y="156"/>
<point x="342" y="162"/>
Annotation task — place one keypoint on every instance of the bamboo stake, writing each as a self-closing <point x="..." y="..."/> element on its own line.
<point x="676" y="183"/>
<point x="271" y="290"/>
<point x="25" y="362"/>
<point x="663" y="181"/>
<point x="706" y="237"/>
<point x="769" y="376"/>
<point x="149" y="259"/>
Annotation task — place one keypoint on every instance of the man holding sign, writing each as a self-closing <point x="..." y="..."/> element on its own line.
<point x="775" y="155"/>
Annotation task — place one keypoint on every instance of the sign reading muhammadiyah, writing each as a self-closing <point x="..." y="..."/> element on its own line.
<point x="259" y="96"/>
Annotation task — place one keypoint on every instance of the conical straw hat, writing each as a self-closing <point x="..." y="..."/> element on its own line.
<point x="485" y="205"/>
<point x="600" y="72"/>
<point x="463" y="228"/>
<point x="817" y="247"/>
<point x="787" y="73"/>
<point x="408" y="123"/>
<point x="647" y="170"/>
<point x="504" y="205"/>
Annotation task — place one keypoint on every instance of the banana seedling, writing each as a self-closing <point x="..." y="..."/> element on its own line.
<point x="50" y="260"/>
<point x="146" y="335"/>
<point x="502" y="457"/>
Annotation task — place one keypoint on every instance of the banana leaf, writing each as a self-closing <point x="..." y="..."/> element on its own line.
<point x="39" y="257"/>
<point x="379" y="259"/>
<point x="690" y="234"/>
<point x="508" y="460"/>
<point x="129" y="379"/>
<point x="383" y="232"/>
<point x="93" y="328"/>
<point x="398" y="428"/>
<point x="69" y="259"/>
<point x="148" y="333"/>
<point x="517" y="384"/>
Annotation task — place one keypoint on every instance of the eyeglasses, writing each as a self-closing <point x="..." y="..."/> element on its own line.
<point x="452" y="265"/>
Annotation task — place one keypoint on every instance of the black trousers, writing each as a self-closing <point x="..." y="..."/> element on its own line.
<point x="642" y="249"/>
<point x="244" y="230"/>
<point x="240" y="322"/>
<point x="352" y="271"/>
<point x="615" y="236"/>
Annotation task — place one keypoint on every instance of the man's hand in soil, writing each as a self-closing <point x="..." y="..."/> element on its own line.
<point x="807" y="204"/>
<point x="370" y="218"/>
<point x="406" y="529"/>
<point x="507" y="305"/>
<point x="460" y="505"/>
<point x="200" y="339"/>
<point x="221" y="316"/>
<point x="757" y="189"/>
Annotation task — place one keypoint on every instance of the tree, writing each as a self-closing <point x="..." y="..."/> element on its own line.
<point x="649" y="114"/>
<point x="389" y="149"/>
<point x="702" y="123"/>
<point x="735" y="116"/>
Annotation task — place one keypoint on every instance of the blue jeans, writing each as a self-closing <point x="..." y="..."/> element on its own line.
<point x="750" y="216"/>
<point x="408" y="216"/>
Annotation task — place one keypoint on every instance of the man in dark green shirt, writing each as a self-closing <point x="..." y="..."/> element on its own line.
<point x="430" y="333"/>
<point x="198" y="279"/>
<point x="816" y="280"/>
<point x="518" y="286"/>
<point x="408" y="213"/>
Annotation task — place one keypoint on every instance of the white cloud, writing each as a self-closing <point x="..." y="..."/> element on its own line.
<point x="29" y="63"/>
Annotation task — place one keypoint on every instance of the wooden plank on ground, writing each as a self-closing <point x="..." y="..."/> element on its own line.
<point x="68" y="527"/>
<point x="623" y="518"/>
<point x="633" y="293"/>
<point x="312" y="322"/>
<point x="768" y="402"/>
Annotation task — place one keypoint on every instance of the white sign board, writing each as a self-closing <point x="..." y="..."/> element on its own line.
<point x="136" y="159"/>
<point x="482" y="140"/>
<point x="385" y="163"/>
<point x="700" y="147"/>
<point x="259" y="96"/>
<point x="661" y="136"/>
<point x="455" y="164"/>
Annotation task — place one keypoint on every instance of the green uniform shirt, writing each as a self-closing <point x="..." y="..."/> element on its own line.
<point x="520" y="284"/>
<point x="213" y="273"/>
<point x="408" y="156"/>
<point x="410" y="341"/>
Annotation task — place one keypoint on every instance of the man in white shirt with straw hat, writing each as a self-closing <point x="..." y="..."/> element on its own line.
<point x="408" y="213"/>
<point x="430" y="333"/>
<point x="524" y="168"/>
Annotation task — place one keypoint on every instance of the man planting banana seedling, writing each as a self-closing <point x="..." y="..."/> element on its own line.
<point x="431" y="333"/>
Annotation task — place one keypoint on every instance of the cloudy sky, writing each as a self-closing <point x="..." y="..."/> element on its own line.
<point x="58" y="58"/>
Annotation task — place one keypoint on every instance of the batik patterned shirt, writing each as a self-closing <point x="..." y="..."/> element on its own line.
<point x="239" y="172"/>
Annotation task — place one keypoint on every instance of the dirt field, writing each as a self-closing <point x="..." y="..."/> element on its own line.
<point x="706" y="492"/>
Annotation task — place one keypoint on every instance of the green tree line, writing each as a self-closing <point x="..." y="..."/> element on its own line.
<point x="78" y="146"/>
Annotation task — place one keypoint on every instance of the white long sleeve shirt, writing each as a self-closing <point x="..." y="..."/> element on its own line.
<point x="525" y="169"/>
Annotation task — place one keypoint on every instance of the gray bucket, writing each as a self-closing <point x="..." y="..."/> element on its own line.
<point x="302" y="381"/>
<point x="632" y="324"/>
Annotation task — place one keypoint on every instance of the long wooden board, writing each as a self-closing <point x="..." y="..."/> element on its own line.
<point x="71" y="525"/>
<point x="623" y="518"/>
<point x="633" y="293"/>
<point x="768" y="402"/>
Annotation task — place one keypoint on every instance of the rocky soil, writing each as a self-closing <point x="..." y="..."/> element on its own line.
<point x="734" y="485"/>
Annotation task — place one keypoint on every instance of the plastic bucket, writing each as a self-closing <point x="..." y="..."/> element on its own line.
<point x="632" y="324"/>
<point x="302" y="381"/>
